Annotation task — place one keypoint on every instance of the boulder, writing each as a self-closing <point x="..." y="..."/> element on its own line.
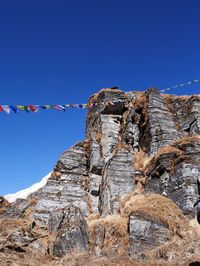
<point x="72" y="234"/>
<point x="145" y="234"/>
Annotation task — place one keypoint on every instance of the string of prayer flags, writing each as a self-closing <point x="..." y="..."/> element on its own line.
<point x="35" y="108"/>
<point x="62" y="107"/>
<point x="181" y="85"/>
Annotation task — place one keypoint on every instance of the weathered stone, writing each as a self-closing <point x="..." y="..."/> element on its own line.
<point x="181" y="186"/>
<point x="118" y="179"/>
<point x="110" y="127"/>
<point x="94" y="190"/>
<point x="55" y="219"/>
<point x="131" y="131"/>
<point x="116" y="106"/>
<point x="175" y="175"/>
<point x="22" y="237"/>
<point x="145" y="234"/>
<point x="95" y="158"/>
<point x="187" y="113"/>
<point x="162" y="128"/>
<point x="17" y="209"/>
<point x="73" y="233"/>
<point x="64" y="188"/>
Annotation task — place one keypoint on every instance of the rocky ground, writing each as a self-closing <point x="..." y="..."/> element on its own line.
<point x="124" y="196"/>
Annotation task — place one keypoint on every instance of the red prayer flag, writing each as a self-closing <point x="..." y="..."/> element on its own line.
<point x="32" y="108"/>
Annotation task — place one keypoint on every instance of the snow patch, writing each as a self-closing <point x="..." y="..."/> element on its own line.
<point x="23" y="194"/>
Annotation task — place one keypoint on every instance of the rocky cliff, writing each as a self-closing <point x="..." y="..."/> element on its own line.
<point x="124" y="196"/>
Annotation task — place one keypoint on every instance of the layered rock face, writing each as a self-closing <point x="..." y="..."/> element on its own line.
<point x="111" y="194"/>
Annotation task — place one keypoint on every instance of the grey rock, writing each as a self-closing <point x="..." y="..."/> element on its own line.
<point x="187" y="113"/>
<point x="162" y="128"/>
<point x="145" y="234"/>
<point x="181" y="186"/>
<point x="180" y="181"/>
<point x="131" y="131"/>
<point x="65" y="188"/>
<point x="22" y="237"/>
<point x="94" y="190"/>
<point x="110" y="127"/>
<point x="116" y="96"/>
<point x="95" y="157"/>
<point x="118" y="179"/>
<point x="55" y="220"/>
<point x="73" y="233"/>
<point x="17" y="209"/>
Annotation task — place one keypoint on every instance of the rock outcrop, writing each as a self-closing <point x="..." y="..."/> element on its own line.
<point x="127" y="190"/>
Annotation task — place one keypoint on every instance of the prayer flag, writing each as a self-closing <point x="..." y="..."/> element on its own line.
<point x="14" y="108"/>
<point x="26" y="108"/>
<point x="57" y="107"/>
<point x="6" y="108"/>
<point x="62" y="106"/>
<point x="21" y="107"/>
<point x="1" y="109"/>
<point x="33" y="108"/>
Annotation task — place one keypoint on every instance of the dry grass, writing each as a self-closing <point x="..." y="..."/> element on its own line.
<point x="141" y="160"/>
<point x="176" y="149"/>
<point x="109" y="235"/>
<point x="88" y="199"/>
<point x="4" y="204"/>
<point x="176" y="157"/>
<point x="83" y="259"/>
<point x="186" y="140"/>
<point x="29" y="258"/>
<point x="180" y="251"/>
<point x="166" y="150"/>
<point x="95" y="96"/>
<point x="156" y="207"/>
<point x="116" y="222"/>
<point x="92" y="217"/>
<point x="140" y="102"/>
<point x="9" y="225"/>
<point x="98" y="136"/>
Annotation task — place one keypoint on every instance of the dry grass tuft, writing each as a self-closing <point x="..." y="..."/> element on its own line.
<point x="176" y="157"/>
<point x="9" y="225"/>
<point x="116" y="222"/>
<point x="141" y="159"/>
<point x="186" y="140"/>
<point x="156" y="207"/>
<point x="92" y="217"/>
<point x="109" y="236"/>
<point x="165" y="150"/>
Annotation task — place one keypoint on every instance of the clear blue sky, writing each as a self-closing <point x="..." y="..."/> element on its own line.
<point x="62" y="51"/>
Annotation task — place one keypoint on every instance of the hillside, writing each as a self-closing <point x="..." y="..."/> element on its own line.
<point x="123" y="196"/>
